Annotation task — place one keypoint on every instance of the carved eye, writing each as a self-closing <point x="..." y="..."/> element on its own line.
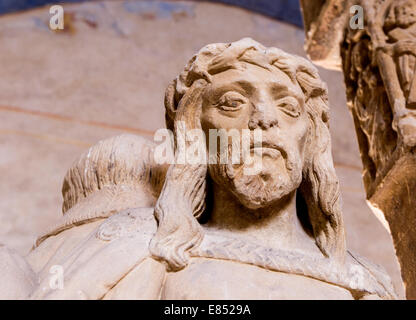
<point x="231" y="101"/>
<point x="290" y="106"/>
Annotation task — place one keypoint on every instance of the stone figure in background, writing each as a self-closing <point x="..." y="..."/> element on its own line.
<point x="400" y="30"/>
<point x="379" y="65"/>
<point x="393" y="49"/>
<point x="136" y="229"/>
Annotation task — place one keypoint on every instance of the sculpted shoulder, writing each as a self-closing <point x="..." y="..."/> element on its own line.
<point x="215" y="222"/>
<point x="86" y="252"/>
<point x="109" y="194"/>
<point x="16" y="276"/>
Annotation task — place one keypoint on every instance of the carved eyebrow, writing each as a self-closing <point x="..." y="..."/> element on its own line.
<point x="246" y="85"/>
<point x="239" y="84"/>
<point x="280" y="91"/>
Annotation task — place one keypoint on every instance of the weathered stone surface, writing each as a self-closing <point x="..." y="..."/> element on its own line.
<point x="69" y="123"/>
<point x="274" y="216"/>
<point x="17" y="277"/>
<point x="379" y="64"/>
<point x="62" y="92"/>
<point x="324" y="22"/>
<point x="396" y="199"/>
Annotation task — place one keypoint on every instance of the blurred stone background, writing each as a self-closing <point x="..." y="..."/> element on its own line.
<point x="105" y="74"/>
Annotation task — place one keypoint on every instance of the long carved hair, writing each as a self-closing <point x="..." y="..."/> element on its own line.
<point x="181" y="204"/>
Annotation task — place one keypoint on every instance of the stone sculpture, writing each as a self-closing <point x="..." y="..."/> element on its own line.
<point x="136" y="229"/>
<point x="379" y="65"/>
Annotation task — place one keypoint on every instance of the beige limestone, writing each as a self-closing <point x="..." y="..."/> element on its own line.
<point x="52" y="128"/>
<point x="282" y="225"/>
<point x="16" y="276"/>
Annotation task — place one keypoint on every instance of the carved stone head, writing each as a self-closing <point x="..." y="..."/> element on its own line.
<point x="244" y="85"/>
<point x="250" y="93"/>
<point x="402" y="14"/>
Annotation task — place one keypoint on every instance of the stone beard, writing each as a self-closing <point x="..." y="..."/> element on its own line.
<point x="136" y="229"/>
<point x="281" y="153"/>
<point x="244" y="86"/>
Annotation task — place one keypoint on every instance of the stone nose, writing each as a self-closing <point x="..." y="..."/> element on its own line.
<point x="263" y="116"/>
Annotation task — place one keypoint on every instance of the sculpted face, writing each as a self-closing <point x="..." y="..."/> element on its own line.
<point x="405" y="14"/>
<point x="252" y="97"/>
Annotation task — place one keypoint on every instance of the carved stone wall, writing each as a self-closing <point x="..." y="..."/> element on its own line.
<point x="379" y="65"/>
